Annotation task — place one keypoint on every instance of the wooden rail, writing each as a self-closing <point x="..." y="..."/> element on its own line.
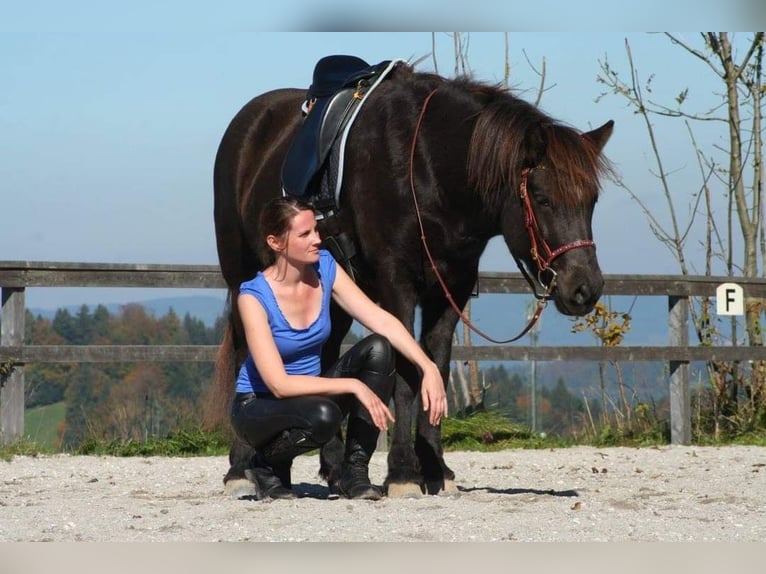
<point x="16" y="276"/>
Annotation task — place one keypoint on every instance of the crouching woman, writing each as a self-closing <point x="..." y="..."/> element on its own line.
<point x="284" y="405"/>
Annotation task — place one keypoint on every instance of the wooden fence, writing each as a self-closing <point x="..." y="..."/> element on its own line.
<point x="16" y="276"/>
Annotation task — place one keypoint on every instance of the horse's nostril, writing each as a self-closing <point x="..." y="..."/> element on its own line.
<point x="582" y="294"/>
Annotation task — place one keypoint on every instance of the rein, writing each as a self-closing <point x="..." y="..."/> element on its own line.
<point x="536" y="239"/>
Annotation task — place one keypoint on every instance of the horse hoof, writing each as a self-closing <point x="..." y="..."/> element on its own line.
<point x="404" y="490"/>
<point x="239" y="488"/>
<point x="442" y="488"/>
<point x="450" y="489"/>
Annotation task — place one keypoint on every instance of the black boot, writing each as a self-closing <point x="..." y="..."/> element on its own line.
<point x="361" y="440"/>
<point x="372" y="361"/>
<point x="267" y="479"/>
<point x="270" y="469"/>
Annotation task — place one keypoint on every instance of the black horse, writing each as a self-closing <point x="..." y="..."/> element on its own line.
<point x="434" y="168"/>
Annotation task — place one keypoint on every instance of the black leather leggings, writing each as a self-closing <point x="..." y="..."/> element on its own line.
<point x="257" y="420"/>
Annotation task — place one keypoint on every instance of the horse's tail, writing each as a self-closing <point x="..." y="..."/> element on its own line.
<point x="218" y="403"/>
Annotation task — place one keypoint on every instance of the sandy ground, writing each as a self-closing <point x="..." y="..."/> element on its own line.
<point x="577" y="494"/>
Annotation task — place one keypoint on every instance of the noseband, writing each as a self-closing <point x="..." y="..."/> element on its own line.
<point x="540" y="251"/>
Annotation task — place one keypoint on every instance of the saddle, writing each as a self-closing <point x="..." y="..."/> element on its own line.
<point x="313" y="166"/>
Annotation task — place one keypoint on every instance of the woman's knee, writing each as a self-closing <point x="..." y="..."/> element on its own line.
<point x="325" y="419"/>
<point x="378" y="354"/>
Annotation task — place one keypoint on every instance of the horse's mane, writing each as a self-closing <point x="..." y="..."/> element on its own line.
<point x="511" y="134"/>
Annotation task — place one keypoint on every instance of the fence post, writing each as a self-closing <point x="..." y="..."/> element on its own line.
<point x="680" y="398"/>
<point x="12" y="382"/>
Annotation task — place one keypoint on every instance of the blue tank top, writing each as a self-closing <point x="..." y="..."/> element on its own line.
<point x="300" y="349"/>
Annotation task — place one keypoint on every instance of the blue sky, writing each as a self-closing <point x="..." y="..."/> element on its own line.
<point x="111" y="120"/>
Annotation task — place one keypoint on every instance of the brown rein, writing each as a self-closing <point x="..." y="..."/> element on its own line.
<point x="536" y="239"/>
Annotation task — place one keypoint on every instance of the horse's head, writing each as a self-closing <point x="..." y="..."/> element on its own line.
<point x="553" y="198"/>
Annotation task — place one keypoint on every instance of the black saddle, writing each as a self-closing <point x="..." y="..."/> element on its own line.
<point x="337" y="88"/>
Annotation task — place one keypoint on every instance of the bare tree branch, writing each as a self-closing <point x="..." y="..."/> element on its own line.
<point x="507" y="60"/>
<point x="696" y="53"/>
<point x="542" y="74"/>
<point x="433" y="51"/>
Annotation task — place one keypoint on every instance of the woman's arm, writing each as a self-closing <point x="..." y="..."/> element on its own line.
<point x="260" y="343"/>
<point x="353" y="300"/>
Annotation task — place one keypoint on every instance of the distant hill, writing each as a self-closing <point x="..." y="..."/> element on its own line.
<point x="500" y="316"/>
<point x="202" y="307"/>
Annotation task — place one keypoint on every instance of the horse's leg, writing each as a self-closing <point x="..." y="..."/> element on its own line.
<point x="236" y="484"/>
<point x="331" y="453"/>
<point x="231" y="355"/>
<point x="403" y="478"/>
<point x="439" y="322"/>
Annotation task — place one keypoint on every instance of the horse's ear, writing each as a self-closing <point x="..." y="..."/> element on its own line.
<point x="601" y="135"/>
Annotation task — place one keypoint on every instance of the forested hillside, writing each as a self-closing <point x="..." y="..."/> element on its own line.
<point x="119" y="401"/>
<point x="136" y="401"/>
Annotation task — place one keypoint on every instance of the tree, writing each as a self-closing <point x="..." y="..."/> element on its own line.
<point x="136" y="405"/>
<point x="730" y="175"/>
<point x="135" y="326"/>
<point x="170" y="330"/>
<point x="100" y="325"/>
<point x="195" y="331"/>
<point x="565" y="409"/>
<point x="119" y="401"/>
<point x="85" y="402"/>
<point x="83" y="327"/>
<point x="64" y="325"/>
<point x="45" y="383"/>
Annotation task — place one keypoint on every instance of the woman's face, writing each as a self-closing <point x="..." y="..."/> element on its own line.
<point x="302" y="242"/>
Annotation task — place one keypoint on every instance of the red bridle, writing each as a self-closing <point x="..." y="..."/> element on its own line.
<point x="541" y="252"/>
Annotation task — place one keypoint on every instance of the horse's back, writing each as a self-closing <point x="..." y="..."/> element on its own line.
<point x="260" y="131"/>
<point x="247" y="173"/>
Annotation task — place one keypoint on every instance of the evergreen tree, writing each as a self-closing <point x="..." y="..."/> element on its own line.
<point x="82" y="333"/>
<point x="196" y="332"/>
<point x="170" y="331"/>
<point x="64" y="325"/>
<point x="100" y="325"/>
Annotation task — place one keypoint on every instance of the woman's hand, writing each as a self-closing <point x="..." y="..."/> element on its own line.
<point x="378" y="410"/>
<point x="433" y="394"/>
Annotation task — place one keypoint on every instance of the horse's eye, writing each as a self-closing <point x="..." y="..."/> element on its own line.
<point x="543" y="201"/>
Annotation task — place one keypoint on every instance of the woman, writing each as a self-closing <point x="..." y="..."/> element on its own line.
<point x="284" y="405"/>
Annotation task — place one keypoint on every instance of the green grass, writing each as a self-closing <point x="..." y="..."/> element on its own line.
<point x="41" y="424"/>
<point x="41" y="437"/>
<point x="484" y="431"/>
<point x="180" y="443"/>
<point x="487" y="431"/>
<point x="751" y="439"/>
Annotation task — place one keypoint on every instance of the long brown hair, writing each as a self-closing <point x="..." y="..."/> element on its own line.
<point x="276" y="217"/>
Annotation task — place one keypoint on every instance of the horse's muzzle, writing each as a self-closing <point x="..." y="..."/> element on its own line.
<point x="578" y="293"/>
